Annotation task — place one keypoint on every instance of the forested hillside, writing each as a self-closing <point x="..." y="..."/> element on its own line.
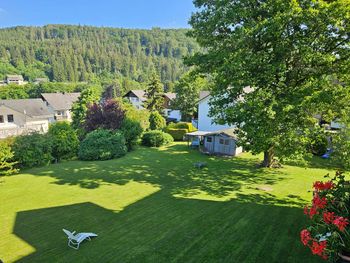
<point x="82" y="53"/>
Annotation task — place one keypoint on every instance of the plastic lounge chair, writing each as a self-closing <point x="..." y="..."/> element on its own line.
<point x="74" y="240"/>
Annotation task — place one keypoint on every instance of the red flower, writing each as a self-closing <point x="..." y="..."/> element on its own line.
<point x="306" y="210"/>
<point x="328" y="217"/>
<point x="313" y="211"/>
<point x="319" y="202"/>
<point x="305" y="236"/>
<point x="318" y="248"/>
<point x="320" y="186"/>
<point x="341" y="222"/>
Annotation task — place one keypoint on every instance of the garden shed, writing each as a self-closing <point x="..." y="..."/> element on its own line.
<point x="222" y="142"/>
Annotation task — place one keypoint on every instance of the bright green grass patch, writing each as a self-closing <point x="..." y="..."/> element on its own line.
<point x="153" y="205"/>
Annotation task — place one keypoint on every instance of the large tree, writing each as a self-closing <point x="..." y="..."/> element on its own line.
<point x="294" y="54"/>
<point x="154" y="94"/>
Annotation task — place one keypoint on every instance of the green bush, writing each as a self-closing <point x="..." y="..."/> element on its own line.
<point x="6" y="156"/>
<point x="64" y="140"/>
<point x="32" y="150"/>
<point x="156" y="138"/>
<point x="318" y="144"/>
<point x="102" y="145"/>
<point x="177" y="134"/>
<point x="132" y="131"/>
<point x="156" y="121"/>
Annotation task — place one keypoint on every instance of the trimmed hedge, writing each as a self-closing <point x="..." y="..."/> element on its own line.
<point x="177" y="134"/>
<point x="178" y="130"/>
<point x="102" y="145"/>
<point x="156" y="138"/>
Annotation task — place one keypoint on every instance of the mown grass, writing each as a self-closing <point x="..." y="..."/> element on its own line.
<point x="153" y="205"/>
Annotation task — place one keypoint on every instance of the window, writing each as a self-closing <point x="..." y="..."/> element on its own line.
<point x="221" y="141"/>
<point x="227" y="142"/>
<point x="10" y="118"/>
<point x="1" y="118"/>
<point x="169" y="112"/>
<point x="209" y="139"/>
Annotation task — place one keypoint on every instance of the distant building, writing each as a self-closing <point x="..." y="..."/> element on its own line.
<point x="40" y="80"/>
<point x="61" y="104"/>
<point x="138" y="97"/>
<point x="24" y="116"/>
<point x="15" y="79"/>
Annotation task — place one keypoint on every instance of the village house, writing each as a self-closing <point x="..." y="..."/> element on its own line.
<point x="138" y="97"/>
<point x="15" y="79"/>
<point x="24" y="116"/>
<point x="61" y="104"/>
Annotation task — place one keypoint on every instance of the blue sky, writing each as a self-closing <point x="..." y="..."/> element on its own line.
<point x="117" y="13"/>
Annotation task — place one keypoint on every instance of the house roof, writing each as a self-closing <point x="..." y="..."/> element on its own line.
<point x="31" y="107"/>
<point x="14" y="77"/>
<point x="170" y="95"/>
<point x="141" y="94"/>
<point x="203" y="94"/>
<point x="230" y="132"/>
<point x="61" y="101"/>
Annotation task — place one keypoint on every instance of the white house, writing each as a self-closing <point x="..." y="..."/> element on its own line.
<point x="138" y="97"/>
<point x="24" y="116"/>
<point x="61" y="104"/>
<point x="15" y="79"/>
<point x="206" y="123"/>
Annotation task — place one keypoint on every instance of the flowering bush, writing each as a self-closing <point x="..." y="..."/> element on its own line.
<point x="329" y="233"/>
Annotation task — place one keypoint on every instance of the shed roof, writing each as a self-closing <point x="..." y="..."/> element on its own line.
<point x="31" y="107"/>
<point x="61" y="101"/>
<point x="230" y="132"/>
<point x="141" y="94"/>
<point x="170" y="95"/>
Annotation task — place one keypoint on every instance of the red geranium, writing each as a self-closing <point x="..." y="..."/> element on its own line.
<point x="328" y="217"/>
<point x="320" y="186"/>
<point x="319" y="202"/>
<point x="305" y="236"/>
<point x="318" y="248"/>
<point x="313" y="211"/>
<point x="341" y="222"/>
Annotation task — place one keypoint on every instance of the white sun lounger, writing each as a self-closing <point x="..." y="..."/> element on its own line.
<point x="74" y="240"/>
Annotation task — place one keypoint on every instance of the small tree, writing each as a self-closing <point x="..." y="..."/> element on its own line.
<point x="64" y="140"/>
<point x="156" y="121"/>
<point x="107" y="115"/>
<point x="132" y="131"/>
<point x="154" y="94"/>
<point x="6" y="158"/>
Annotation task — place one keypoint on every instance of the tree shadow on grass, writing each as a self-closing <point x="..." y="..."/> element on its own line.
<point x="161" y="228"/>
<point x="171" y="168"/>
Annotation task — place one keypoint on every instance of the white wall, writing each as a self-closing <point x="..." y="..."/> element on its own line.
<point x="175" y="114"/>
<point x="136" y="102"/>
<point x="204" y="121"/>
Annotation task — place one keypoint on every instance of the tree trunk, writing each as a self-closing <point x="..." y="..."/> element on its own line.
<point x="268" y="157"/>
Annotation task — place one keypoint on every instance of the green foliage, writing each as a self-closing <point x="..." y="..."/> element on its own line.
<point x="318" y="143"/>
<point x="156" y="121"/>
<point x="271" y="46"/>
<point x="156" y="138"/>
<point x="6" y="158"/>
<point x="132" y="131"/>
<point x="177" y="134"/>
<point x="182" y="125"/>
<point x="341" y="145"/>
<point x="82" y="53"/>
<point x="32" y="150"/>
<point x="64" y="140"/>
<point x="187" y="93"/>
<point x="102" y="145"/>
<point x="154" y="94"/>
<point x="80" y="107"/>
<point x="141" y="116"/>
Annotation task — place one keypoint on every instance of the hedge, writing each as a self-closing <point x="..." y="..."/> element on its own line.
<point x="156" y="138"/>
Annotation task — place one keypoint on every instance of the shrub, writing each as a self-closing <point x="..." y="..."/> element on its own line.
<point x="32" y="150"/>
<point x="156" y="138"/>
<point x="141" y="116"/>
<point x="318" y="144"/>
<point x="178" y="130"/>
<point x="64" y="140"/>
<point x="156" y="121"/>
<point x="102" y="145"/>
<point x="132" y="131"/>
<point x="177" y="134"/>
<point x="6" y="155"/>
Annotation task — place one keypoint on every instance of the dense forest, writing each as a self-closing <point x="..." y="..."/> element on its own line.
<point x="65" y="53"/>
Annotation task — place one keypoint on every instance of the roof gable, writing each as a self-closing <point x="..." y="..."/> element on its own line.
<point x="61" y="101"/>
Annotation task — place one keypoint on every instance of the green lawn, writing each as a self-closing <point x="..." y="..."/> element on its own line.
<point x="154" y="206"/>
